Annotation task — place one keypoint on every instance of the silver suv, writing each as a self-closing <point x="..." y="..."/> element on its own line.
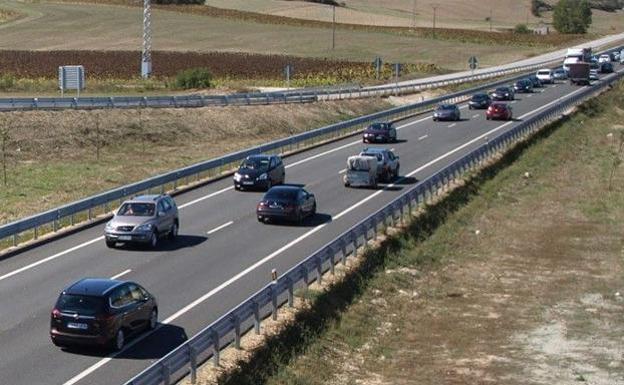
<point x="144" y="220"/>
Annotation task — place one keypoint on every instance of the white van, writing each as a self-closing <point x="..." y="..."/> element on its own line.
<point x="545" y="75"/>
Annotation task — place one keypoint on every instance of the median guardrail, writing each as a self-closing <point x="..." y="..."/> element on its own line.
<point x="228" y="329"/>
<point x="98" y="205"/>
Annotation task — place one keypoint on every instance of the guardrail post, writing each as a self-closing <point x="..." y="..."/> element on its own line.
<point x="237" y="332"/>
<point x="344" y="252"/>
<point x="36" y="232"/>
<point x="291" y="293"/>
<point x="332" y="254"/>
<point x="274" y="302"/>
<point x="256" y="313"/>
<point x="15" y="239"/>
<point x="193" y="361"/>
<point x="90" y="213"/>
<point x="319" y="270"/>
<point x="216" y="345"/>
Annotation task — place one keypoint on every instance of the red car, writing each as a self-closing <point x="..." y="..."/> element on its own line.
<point x="499" y="111"/>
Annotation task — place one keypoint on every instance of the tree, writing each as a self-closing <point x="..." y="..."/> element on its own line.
<point x="572" y="16"/>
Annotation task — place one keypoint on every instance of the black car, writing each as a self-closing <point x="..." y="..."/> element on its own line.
<point x="503" y="93"/>
<point x="380" y="132"/>
<point x="446" y="112"/>
<point x="536" y="82"/>
<point x="606" y="68"/>
<point x="480" y="101"/>
<point x="102" y="312"/>
<point x="260" y="171"/>
<point x="523" y="85"/>
<point x="289" y="202"/>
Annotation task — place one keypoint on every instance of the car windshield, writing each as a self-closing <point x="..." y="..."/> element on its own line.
<point x="377" y="155"/>
<point x="544" y="72"/>
<point x="501" y="90"/>
<point x="256" y="163"/>
<point x="446" y="107"/>
<point x="478" y="97"/>
<point x="137" y="209"/>
<point x="81" y="304"/>
<point x="282" y="194"/>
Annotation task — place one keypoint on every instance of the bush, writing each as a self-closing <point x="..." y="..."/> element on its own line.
<point x="521" y="28"/>
<point x="7" y="82"/>
<point x="537" y="6"/>
<point x="194" y="78"/>
<point x="572" y="16"/>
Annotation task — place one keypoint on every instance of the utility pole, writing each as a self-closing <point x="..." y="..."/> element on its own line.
<point x="435" y="8"/>
<point x="333" y="27"/>
<point x="146" y="55"/>
<point x="414" y="15"/>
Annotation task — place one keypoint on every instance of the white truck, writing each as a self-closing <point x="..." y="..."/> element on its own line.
<point x="576" y="55"/>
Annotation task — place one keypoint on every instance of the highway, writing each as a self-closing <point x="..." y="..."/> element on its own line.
<point x="223" y="254"/>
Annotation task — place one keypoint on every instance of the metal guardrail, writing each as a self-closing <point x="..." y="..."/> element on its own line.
<point x="266" y="302"/>
<point x="97" y="205"/>
<point x="283" y="97"/>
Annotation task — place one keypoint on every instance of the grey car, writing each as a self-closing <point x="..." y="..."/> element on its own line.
<point x="387" y="162"/>
<point x="144" y="220"/>
<point x="446" y="112"/>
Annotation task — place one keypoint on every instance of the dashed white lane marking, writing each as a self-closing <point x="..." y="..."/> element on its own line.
<point x="223" y="226"/>
<point x="423" y="137"/>
<point x="452" y="125"/>
<point x="120" y="274"/>
<point x="475" y="116"/>
<point x="528" y="96"/>
<point x="342" y="171"/>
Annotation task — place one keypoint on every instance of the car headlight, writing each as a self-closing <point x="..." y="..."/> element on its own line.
<point x="237" y="177"/>
<point x="109" y="226"/>
<point x="263" y="176"/>
<point x="144" y="228"/>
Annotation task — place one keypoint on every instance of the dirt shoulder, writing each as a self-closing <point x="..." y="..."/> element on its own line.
<point x="521" y="285"/>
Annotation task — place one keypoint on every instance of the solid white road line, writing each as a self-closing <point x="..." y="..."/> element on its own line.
<point x="220" y="227"/>
<point x="120" y="274"/>
<point x="50" y="258"/>
<point x="342" y="171"/>
<point x="241" y="274"/>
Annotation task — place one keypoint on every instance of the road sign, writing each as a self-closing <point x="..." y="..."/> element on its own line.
<point x="473" y="62"/>
<point x="71" y="78"/>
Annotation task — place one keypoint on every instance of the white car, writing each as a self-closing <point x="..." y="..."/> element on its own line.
<point x="545" y="76"/>
<point x="604" y="58"/>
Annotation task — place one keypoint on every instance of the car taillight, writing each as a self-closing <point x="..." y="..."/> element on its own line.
<point x="56" y="313"/>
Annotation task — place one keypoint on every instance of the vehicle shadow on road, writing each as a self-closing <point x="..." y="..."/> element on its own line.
<point x="406" y="181"/>
<point x="153" y="346"/>
<point x="182" y="241"/>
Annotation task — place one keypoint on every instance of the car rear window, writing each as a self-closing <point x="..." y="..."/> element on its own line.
<point x="544" y="72"/>
<point x="81" y="304"/>
<point x="256" y="163"/>
<point x="283" y="194"/>
<point x="137" y="209"/>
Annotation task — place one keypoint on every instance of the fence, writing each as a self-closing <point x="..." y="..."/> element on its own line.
<point x="266" y="302"/>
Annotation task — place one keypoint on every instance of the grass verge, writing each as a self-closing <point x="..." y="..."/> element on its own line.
<point x="514" y="277"/>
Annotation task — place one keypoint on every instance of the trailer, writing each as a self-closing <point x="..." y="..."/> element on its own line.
<point x="579" y="73"/>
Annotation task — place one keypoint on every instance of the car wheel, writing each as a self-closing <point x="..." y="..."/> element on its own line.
<point x="260" y="219"/>
<point x="469" y="107"/>
<point x="153" y="320"/>
<point x="110" y="244"/>
<point x="396" y="172"/>
<point x="487" y="118"/>
<point x="154" y="239"/>
<point x="268" y="185"/>
<point x="346" y="184"/>
<point x="313" y="212"/>
<point x="236" y="187"/>
<point x="374" y="183"/>
<point x="119" y="341"/>
<point x="299" y="217"/>
<point x="174" y="232"/>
